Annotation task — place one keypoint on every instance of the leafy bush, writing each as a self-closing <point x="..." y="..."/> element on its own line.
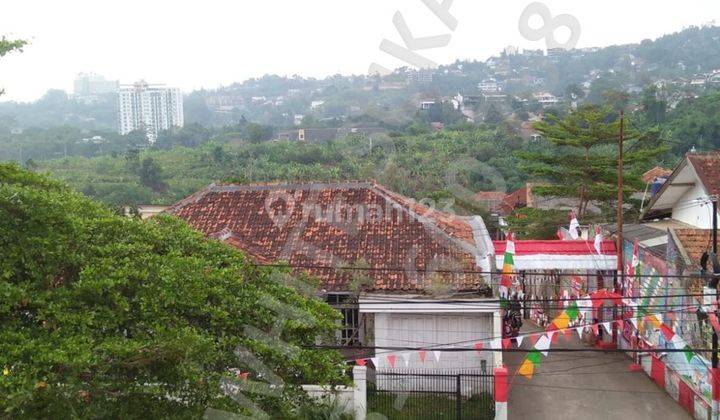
<point x="104" y="316"/>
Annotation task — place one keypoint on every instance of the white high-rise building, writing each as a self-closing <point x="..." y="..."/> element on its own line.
<point x="149" y="107"/>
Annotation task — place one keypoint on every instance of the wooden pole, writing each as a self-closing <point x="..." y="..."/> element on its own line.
<point x="619" y="245"/>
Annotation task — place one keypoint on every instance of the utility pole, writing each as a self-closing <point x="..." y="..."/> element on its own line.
<point x="715" y="378"/>
<point x="620" y="278"/>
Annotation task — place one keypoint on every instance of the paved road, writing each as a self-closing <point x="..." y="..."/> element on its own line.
<point x="585" y="385"/>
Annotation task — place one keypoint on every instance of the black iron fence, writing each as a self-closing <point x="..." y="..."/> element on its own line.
<point x="409" y="394"/>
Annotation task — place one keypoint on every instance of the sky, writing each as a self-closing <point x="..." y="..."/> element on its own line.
<point x="211" y="43"/>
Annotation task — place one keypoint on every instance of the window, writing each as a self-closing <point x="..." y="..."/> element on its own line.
<point x="349" y="332"/>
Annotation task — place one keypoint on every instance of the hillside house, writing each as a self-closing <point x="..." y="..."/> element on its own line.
<point x="389" y="264"/>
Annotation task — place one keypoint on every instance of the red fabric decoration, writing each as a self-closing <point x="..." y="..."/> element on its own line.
<point x="596" y="329"/>
<point x="480" y="346"/>
<point x="533" y="339"/>
<point x="360" y="362"/>
<point x="657" y="372"/>
<point x="667" y="332"/>
<point x="505" y="343"/>
<point x="714" y="322"/>
<point x="686" y="397"/>
<point x="422" y="353"/>
<point x="554" y="337"/>
<point x="391" y="360"/>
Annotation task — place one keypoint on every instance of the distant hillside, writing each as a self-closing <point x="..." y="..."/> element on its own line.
<point x="678" y="59"/>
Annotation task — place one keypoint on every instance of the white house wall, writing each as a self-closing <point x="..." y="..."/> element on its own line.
<point x="694" y="208"/>
<point x="435" y="330"/>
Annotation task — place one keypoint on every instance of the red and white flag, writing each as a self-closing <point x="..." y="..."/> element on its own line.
<point x="574" y="225"/>
<point x="598" y="240"/>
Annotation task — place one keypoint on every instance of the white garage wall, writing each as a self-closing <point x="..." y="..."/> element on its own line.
<point x="434" y="330"/>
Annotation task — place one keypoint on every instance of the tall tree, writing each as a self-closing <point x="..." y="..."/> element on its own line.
<point x="578" y="158"/>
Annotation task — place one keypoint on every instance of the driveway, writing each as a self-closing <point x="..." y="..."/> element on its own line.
<point x="585" y="385"/>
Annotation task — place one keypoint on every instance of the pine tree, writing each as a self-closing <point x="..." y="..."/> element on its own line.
<point x="578" y="157"/>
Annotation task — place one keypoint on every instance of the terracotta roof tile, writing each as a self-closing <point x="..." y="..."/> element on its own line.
<point x="707" y="166"/>
<point x="317" y="226"/>
<point x="695" y="242"/>
<point x="656" y="172"/>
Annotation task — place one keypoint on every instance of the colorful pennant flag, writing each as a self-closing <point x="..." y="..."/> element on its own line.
<point x="508" y="266"/>
<point x="375" y="362"/>
<point x="391" y="360"/>
<point x="361" y="362"/>
<point x="543" y="344"/>
<point x="526" y="369"/>
<point x="422" y="354"/>
<point x="437" y="355"/>
<point x="406" y="358"/>
<point x="519" y="340"/>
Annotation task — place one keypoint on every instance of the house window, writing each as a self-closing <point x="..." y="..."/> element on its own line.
<point x="348" y="333"/>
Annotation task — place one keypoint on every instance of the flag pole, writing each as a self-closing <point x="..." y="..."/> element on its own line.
<point x="619" y="245"/>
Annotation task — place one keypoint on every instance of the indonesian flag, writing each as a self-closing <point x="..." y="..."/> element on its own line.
<point x="508" y="266"/>
<point x="635" y="259"/>
<point x="632" y="269"/>
<point x="574" y="225"/>
<point x="598" y="240"/>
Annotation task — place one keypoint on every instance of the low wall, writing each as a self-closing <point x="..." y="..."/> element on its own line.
<point x="353" y="399"/>
<point x="673" y="384"/>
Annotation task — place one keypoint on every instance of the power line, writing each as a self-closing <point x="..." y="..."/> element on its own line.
<point x="610" y="273"/>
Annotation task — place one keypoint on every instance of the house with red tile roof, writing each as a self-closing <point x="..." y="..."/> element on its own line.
<point x="673" y="233"/>
<point x="687" y="193"/>
<point x="394" y="267"/>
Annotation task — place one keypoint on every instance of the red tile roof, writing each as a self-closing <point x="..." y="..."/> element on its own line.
<point x="656" y="172"/>
<point x="339" y="225"/>
<point x="707" y="166"/>
<point x="514" y="200"/>
<point x="492" y="199"/>
<point x="695" y="242"/>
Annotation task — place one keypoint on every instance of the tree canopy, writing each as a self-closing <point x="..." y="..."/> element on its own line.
<point x="578" y="156"/>
<point x="109" y="317"/>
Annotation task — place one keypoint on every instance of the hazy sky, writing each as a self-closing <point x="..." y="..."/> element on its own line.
<point x="194" y="44"/>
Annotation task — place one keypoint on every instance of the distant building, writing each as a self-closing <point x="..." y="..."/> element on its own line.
<point x="317" y="135"/>
<point x="91" y="84"/>
<point x="420" y="76"/>
<point x="427" y="104"/>
<point x="150" y="107"/>
<point x="489" y="86"/>
<point x="545" y="98"/>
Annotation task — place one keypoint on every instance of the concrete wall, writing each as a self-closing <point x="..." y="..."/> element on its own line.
<point x="352" y="399"/>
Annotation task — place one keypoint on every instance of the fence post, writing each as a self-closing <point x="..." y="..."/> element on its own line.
<point x="360" y="392"/>
<point x="501" y="393"/>
<point x="458" y="398"/>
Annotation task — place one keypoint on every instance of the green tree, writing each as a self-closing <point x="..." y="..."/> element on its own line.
<point x="579" y="154"/>
<point x="151" y="175"/>
<point x="654" y="108"/>
<point x="105" y="316"/>
<point x="493" y="115"/>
